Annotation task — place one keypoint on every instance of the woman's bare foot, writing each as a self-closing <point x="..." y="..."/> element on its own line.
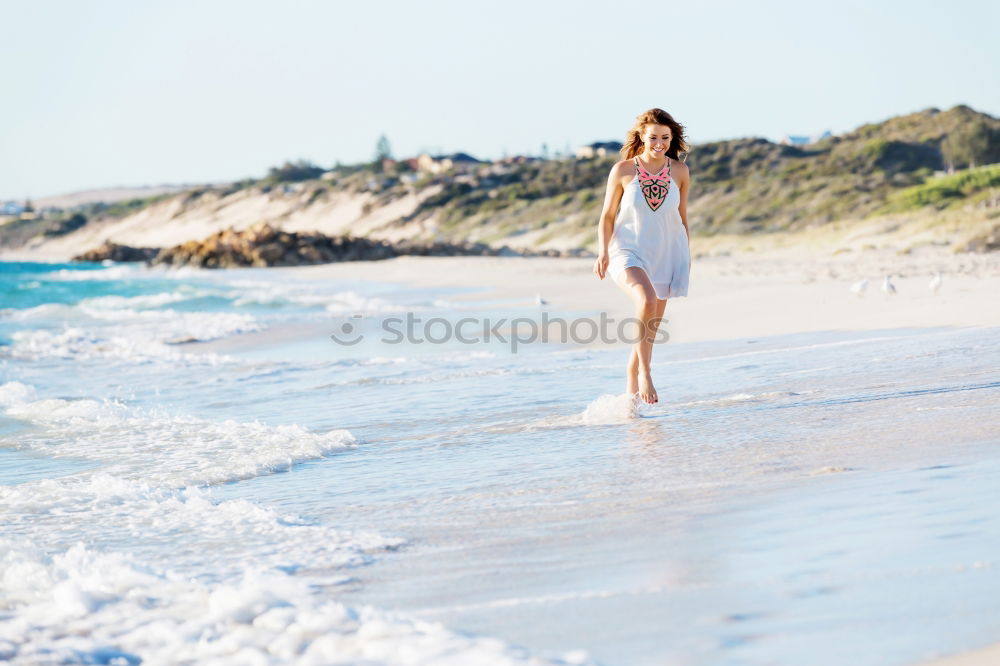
<point x="646" y="390"/>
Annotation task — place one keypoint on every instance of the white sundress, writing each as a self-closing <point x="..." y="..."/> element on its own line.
<point x="649" y="233"/>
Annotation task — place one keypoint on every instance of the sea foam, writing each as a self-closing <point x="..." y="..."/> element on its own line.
<point x="171" y="449"/>
<point x="159" y="617"/>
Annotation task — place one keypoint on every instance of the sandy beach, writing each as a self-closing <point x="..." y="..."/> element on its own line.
<point x="745" y="295"/>
<point x="815" y="486"/>
<point x="742" y="296"/>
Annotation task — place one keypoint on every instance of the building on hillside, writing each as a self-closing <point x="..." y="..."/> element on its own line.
<point x="793" y="140"/>
<point x="292" y="188"/>
<point x="11" y="208"/>
<point x="598" y="149"/>
<point x="442" y="163"/>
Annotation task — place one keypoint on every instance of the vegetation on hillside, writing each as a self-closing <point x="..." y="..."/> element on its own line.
<point x="739" y="186"/>
<point x="962" y="187"/>
<point x="294" y="172"/>
<point x="18" y="232"/>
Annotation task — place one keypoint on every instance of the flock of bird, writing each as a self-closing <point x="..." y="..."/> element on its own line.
<point x="889" y="288"/>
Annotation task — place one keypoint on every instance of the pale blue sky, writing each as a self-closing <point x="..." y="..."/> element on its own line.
<point x="105" y="93"/>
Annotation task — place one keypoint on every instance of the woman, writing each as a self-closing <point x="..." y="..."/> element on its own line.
<point x="646" y="246"/>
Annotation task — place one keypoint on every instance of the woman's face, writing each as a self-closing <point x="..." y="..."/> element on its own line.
<point x="657" y="139"/>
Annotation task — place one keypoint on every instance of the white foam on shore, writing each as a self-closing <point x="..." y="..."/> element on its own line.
<point x="111" y="328"/>
<point x="159" y="617"/>
<point x="142" y="329"/>
<point x="621" y="408"/>
<point x="163" y="324"/>
<point x="37" y="311"/>
<point x="171" y="449"/>
<point x="136" y="328"/>
<point x="16" y="393"/>
<point x="268" y="293"/>
<point x="738" y="398"/>
<point x="229" y="582"/>
<point x="76" y="343"/>
<point x="179" y="525"/>
<point x="93" y="603"/>
<point x="608" y="409"/>
<point x="145" y="495"/>
<point x="104" y="307"/>
<point x="113" y="302"/>
<point x="114" y="272"/>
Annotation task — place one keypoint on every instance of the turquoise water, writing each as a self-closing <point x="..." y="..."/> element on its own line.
<point x="189" y="450"/>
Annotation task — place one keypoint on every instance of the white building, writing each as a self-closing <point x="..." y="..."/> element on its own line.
<point x="598" y="149"/>
<point x="794" y="140"/>
<point x="11" y="208"/>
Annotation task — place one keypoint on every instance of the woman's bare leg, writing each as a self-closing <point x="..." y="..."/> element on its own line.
<point x="632" y="373"/>
<point x="652" y="327"/>
<point x="649" y="311"/>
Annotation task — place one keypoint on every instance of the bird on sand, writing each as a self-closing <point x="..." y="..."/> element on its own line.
<point x="539" y="300"/>
<point x="860" y="286"/>
<point x="887" y="286"/>
<point x="935" y="282"/>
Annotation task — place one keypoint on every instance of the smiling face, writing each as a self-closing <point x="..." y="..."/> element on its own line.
<point x="656" y="140"/>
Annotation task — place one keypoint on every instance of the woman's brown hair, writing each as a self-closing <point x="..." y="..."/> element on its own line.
<point x="633" y="140"/>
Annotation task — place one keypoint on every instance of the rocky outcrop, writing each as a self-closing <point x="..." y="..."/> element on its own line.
<point x="264" y="245"/>
<point x="113" y="252"/>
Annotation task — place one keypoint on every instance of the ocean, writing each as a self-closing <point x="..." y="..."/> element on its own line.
<point x="252" y="466"/>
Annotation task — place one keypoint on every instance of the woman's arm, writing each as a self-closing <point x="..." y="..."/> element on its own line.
<point x="606" y="225"/>
<point x="685" y="184"/>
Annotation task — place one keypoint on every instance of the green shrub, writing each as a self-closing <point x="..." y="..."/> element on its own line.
<point x="943" y="191"/>
<point x="293" y="172"/>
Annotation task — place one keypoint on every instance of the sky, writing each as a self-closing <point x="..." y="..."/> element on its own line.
<point x="123" y="93"/>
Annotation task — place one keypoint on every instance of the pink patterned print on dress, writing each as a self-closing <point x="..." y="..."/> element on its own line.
<point x="655" y="187"/>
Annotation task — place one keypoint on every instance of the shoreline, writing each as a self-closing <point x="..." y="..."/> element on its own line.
<point x="742" y="295"/>
<point x="748" y="295"/>
<point x="736" y="296"/>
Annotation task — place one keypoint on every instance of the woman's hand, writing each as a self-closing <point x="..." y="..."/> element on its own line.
<point x="601" y="265"/>
<point x="606" y="226"/>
